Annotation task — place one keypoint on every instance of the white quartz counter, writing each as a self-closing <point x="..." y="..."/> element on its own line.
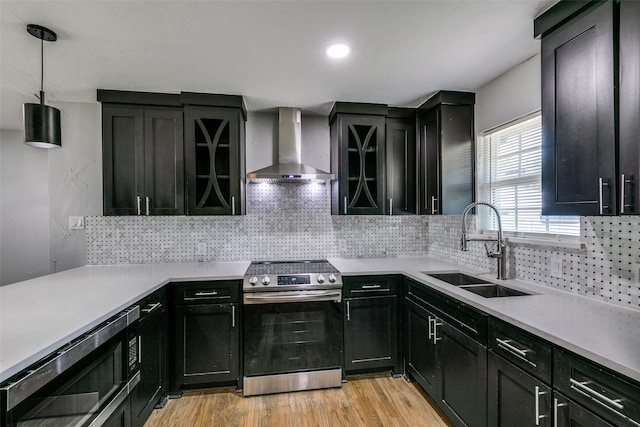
<point x="40" y="315"/>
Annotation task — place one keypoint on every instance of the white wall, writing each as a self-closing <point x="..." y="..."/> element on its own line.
<point x="41" y="188"/>
<point x="513" y="94"/>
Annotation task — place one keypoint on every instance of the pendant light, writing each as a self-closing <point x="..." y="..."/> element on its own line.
<point x="41" y="122"/>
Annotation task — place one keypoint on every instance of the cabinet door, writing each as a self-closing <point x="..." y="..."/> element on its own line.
<point x="629" y="107"/>
<point x="362" y="179"/>
<point x="370" y="333"/>
<point x="123" y="159"/>
<point x="421" y="354"/>
<point x="464" y="376"/>
<point x="164" y="163"/>
<point x="213" y="161"/>
<point x="401" y="166"/>
<point x="430" y="162"/>
<point x="207" y="345"/>
<point x="578" y="126"/>
<point x="152" y="359"/>
<point x="569" y="414"/>
<point x="515" y="398"/>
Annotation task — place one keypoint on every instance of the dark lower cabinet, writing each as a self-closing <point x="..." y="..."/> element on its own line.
<point x="567" y="413"/>
<point x="371" y="334"/>
<point x="152" y="358"/>
<point x="448" y="364"/>
<point x="515" y="398"/>
<point x="207" y="344"/>
<point x="121" y="417"/>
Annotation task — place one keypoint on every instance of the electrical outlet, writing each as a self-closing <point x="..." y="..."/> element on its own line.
<point x="76" y="223"/>
<point x="556" y="268"/>
<point x="201" y="249"/>
<point x="342" y="245"/>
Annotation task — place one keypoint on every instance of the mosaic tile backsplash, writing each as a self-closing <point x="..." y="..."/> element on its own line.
<point x="286" y="221"/>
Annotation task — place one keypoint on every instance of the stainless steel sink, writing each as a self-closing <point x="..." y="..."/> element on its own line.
<point x="477" y="286"/>
<point x="457" y="279"/>
<point x="494" y="291"/>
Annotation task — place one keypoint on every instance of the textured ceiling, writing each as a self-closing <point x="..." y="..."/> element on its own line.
<point x="269" y="51"/>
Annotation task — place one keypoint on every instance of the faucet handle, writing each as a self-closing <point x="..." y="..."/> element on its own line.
<point x="489" y="253"/>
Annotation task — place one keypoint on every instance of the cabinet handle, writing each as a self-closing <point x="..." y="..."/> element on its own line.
<point x="390" y="206"/>
<point x="370" y="287"/>
<point x="233" y="316"/>
<point x="147" y="202"/>
<point x="345" y="205"/>
<point x="139" y="349"/>
<point x="522" y="354"/>
<point x="138" y="204"/>
<point x="433" y="204"/>
<point x="600" y="398"/>
<point x="430" y="328"/>
<point x="556" y="405"/>
<point x="348" y="312"/>
<point x="233" y="205"/>
<point x="602" y="206"/>
<point x="435" y="330"/>
<point x="538" y="393"/>
<point x="623" y="183"/>
<point x="151" y="308"/>
<point x="206" y="293"/>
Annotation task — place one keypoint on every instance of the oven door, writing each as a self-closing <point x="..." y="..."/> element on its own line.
<point x="291" y="332"/>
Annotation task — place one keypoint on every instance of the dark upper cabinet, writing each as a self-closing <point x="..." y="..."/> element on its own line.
<point x="214" y="155"/>
<point x="446" y="177"/>
<point x="401" y="161"/>
<point x="629" y="177"/>
<point x="143" y="167"/>
<point x="590" y="108"/>
<point x="358" y="158"/>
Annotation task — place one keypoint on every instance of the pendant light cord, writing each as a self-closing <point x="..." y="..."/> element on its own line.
<point x="42" y="69"/>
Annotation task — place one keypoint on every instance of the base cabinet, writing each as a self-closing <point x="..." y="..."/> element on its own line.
<point x="449" y="364"/>
<point x="567" y="413"/>
<point x="121" y="417"/>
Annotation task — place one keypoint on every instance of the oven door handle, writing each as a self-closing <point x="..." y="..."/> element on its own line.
<point x="295" y="296"/>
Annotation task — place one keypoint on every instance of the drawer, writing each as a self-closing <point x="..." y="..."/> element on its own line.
<point x="611" y="396"/>
<point x="522" y="349"/>
<point x="218" y="291"/>
<point x="370" y="286"/>
<point x="466" y="319"/>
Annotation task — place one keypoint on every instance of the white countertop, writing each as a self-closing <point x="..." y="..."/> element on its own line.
<point x="40" y="315"/>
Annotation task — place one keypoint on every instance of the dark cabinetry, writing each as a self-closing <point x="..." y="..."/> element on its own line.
<point x="444" y="353"/>
<point x="358" y="158"/>
<point x="371" y="324"/>
<point x="207" y="345"/>
<point x="143" y="168"/>
<point x="152" y="357"/>
<point x="401" y="161"/>
<point x="447" y="153"/>
<point x="214" y="154"/>
<point x="121" y="417"/>
<point x="590" y="150"/>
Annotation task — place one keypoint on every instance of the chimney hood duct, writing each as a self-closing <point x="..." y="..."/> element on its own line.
<point x="289" y="167"/>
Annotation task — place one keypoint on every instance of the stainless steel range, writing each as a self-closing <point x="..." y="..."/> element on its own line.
<point x="292" y="326"/>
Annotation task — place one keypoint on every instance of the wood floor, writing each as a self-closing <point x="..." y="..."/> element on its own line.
<point x="367" y="402"/>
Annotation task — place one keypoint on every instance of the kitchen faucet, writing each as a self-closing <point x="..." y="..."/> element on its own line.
<point x="501" y="251"/>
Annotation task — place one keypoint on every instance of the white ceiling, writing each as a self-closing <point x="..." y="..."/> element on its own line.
<point x="269" y="51"/>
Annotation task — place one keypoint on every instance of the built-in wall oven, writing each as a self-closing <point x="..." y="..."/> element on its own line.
<point x="85" y="383"/>
<point x="293" y="337"/>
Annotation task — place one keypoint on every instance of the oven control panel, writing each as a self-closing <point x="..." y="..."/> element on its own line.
<point x="280" y="282"/>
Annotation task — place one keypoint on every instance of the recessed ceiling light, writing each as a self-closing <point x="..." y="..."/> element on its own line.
<point x="337" y="50"/>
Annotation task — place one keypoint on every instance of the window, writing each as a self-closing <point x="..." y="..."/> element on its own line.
<point x="509" y="175"/>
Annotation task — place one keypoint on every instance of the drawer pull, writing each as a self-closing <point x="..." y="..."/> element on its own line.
<point x="151" y="308"/>
<point x="598" y="397"/>
<point x="556" y="406"/>
<point x="206" y="294"/>
<point x="370" y="286"/>
<point x="538" y="393"/>
<point x="522" y="354"/>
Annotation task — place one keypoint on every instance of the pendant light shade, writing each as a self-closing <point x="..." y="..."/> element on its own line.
<point x="41" y="122"/>
<point x="41" y="126"/>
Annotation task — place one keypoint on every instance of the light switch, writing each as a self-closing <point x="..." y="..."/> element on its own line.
<point x="76" y="223"/>
<point x="555" y="268"/>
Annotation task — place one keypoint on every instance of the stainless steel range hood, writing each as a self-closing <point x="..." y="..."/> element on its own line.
<point x="289" y="167"/>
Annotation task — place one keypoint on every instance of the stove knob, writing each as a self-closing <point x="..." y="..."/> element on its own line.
<point x="266" y="280"/>
<point x="253" y="281"/>
<point x="332" y="278"/>
<point x="321" y="279"/>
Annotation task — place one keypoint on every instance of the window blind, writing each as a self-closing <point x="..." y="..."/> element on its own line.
<point x="509" y="167"/>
